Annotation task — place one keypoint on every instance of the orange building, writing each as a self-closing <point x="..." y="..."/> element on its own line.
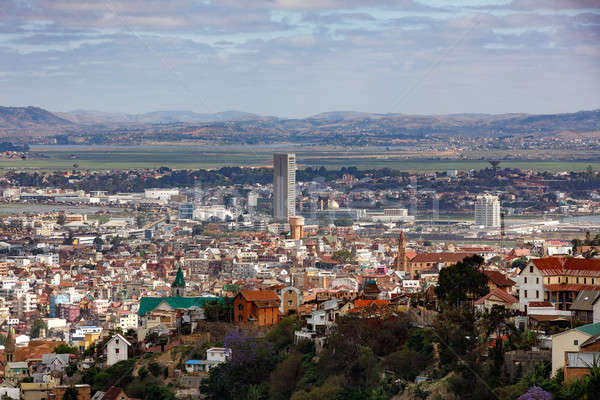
<point x="256" y="307"/>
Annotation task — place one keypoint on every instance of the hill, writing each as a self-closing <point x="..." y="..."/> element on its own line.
<point x="336" y="127"/>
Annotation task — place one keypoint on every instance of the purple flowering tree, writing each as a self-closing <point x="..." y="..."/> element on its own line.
<point x="536" y="393"/>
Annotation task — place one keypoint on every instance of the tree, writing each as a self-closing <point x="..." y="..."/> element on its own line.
<point x="461" y="282"/>
<point x="64" y="348"/>
<point x="157" y="392"/>
<point x="62" y="218"/>
<point x="343" y="256"/>
<point x="343" y="222"/>
<point x="71" y="394"/>
<point x="37" y="326"/>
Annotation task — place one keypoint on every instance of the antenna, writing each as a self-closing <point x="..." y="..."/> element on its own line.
<point x="501" y="230"/>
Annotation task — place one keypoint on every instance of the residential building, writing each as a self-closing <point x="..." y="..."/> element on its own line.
<point x="487" y="211"/>
<point x="256" y="307"/>
<point x="117" y="349"/>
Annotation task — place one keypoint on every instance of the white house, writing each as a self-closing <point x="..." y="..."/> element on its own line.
<point x="530" y="284"/>
<point x="214" y="357"/>
<point x="116" y="349"/>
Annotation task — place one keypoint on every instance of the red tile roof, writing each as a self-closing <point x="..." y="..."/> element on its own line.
<point x="540" y="304"/>
<point x="567" y="266"/>
<point x="259" y="295"/>
<point x="569" y="287"/>
<point x="500" y="294"/>
<point x="498" y="278"/>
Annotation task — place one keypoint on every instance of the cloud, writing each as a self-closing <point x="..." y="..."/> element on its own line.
<point x="293" y="57"/>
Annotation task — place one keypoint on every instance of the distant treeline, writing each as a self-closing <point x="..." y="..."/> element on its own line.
<point x="9" y="146"/>
<point x="576" y="183"/>
<point x="121" y="181"/>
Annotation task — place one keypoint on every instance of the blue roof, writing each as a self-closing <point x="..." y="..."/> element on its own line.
<point x="194" y="362"/>
<point x="590" y="329"/>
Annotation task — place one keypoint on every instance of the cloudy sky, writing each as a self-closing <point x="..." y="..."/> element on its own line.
<point x="301" y="57"/>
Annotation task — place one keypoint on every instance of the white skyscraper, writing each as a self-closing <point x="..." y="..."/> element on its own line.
<point x="487" y="211"/>
<point x="284" y="186"/>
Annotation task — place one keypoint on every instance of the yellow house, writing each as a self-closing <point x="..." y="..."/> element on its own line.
<point x="569" y="341"/>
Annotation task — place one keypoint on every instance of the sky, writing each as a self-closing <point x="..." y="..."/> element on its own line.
<point x="295" y="58"/>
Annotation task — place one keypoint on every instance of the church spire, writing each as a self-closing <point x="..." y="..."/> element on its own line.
<point x="178" y="286"/>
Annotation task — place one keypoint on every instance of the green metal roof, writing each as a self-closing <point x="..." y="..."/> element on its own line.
<point x="179" y="281"/>
<point x="590" y="329"/>
<point x="148" y="304"/>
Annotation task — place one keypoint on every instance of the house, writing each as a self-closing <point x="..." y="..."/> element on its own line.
<point x="55" y="362"/>
<point x="558" y="280"/>
<point x="577" y="364"/>
<point x="497" y="279"/>
<point x="113" y="393"/>
<point x="570" y="341"/>
<point x="37" y="391"/>
<point x="497" y="296"/>
<point x="583" y="306"/>
<point x="291" y="299"/>
<point x="117" y="349"/>
<point x="256" y="307"/>
<point x="431" y="261"/>
<point x="16" y="371"/>
<point x="84" y="392"/>
<point x="214" y="357"/>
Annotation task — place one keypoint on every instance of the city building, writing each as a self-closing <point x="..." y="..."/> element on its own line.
<point x="284" y="186"/>
<point x="487" y="211"/>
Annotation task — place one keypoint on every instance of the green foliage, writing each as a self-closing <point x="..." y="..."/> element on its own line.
<point x="462" y="282"/>
<point x="64" y="348"/>
<point x="285" y="376"/>
<point x="343" y="222"/>
<point x="343" y="256"/>
<point x="157" y="392"/>
<point x="282" y="335"/>
<point x="218" y="311"/>
<point x="143" y="372"/>
<point x="70" y="394"/>
<point x="155" y="368"/>
<point x="37" y="326"/>
<point x="406" y="363"/>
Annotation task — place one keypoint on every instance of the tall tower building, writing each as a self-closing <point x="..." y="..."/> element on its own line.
<point x="284" y="186"/>
<point x="401" y="262"/>
<point x="487" y="211"/>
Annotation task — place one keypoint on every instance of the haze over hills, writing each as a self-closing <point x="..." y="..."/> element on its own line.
<point x="154" y="117"/>
<point x="336" y="127"/>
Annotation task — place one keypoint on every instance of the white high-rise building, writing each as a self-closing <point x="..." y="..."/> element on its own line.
<point x="284" y="186"/>
<point x="487" y="211"/>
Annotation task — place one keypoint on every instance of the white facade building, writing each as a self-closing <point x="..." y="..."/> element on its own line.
<point x="487" y="211"/>
<point x="530" y="284"/>
<point x="116" y="350"/>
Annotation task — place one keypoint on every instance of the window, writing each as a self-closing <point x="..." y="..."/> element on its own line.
<point x="537" y="280"/>
<point x="240" y="306"/>
<point x="537" y="293"/>
<point x="531" y="269"/>
<point x="525" y="279"/>
<point x="240" y="318"/>
<point x="585" y="281"/>
<point x="290" y="303"/>
<point x="575" y="342"/>
<point x="116" y="351"/>
<point x="525" y="294"/>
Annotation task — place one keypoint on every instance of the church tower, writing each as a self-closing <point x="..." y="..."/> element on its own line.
<point x="178" y="286"/>
<point x="401" y="262"/>
<point x="10" y="346"/>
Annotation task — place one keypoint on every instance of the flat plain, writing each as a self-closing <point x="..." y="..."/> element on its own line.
<point x="208" y="157"/>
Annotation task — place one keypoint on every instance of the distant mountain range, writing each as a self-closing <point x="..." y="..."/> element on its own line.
<point x="155" y="117"/>
<point x="336" y="127"/>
